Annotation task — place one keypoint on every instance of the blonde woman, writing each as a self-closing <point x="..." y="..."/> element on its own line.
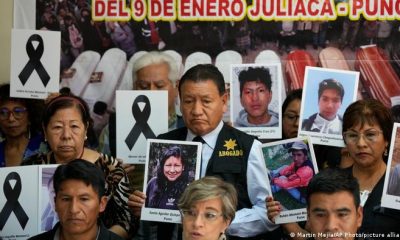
<point x="207" y="207"/>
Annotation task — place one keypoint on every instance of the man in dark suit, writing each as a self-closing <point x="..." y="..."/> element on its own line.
<point x="227" y="152"/>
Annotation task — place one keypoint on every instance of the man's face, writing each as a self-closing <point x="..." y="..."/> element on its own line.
<point x="333" y="214"/>
<point x="155" y="77"/>
<point x="329" y="103"/>
<point x="255" y="99"/>
<point x="78" y="207"/>
<point x="298" y="157"/>
<point x="202" y="106"/>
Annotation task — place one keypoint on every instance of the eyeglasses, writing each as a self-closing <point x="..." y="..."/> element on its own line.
<point x="18" y="113"/>
<point x="208" y="216"/>
<point x="291" y="117"/>
<point x="354" y="137"/>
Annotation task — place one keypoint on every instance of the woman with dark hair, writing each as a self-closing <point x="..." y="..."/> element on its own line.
<point x="164" y="190"/>
<point x="291" y="114"/>
<point x="66" y="121"/>
<point x="367" y="129"/>
<point x="20" y="128"/>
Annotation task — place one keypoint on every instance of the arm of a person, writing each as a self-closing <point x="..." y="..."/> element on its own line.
<point x="117" y="191"/>
<point x="293" y="229"/>
<point x="290" y="182"/>
<point x="287" y="170"/>
<point x="253" y="221"/>
<point x="300" y="179"/>
<point x="136" y="202"/>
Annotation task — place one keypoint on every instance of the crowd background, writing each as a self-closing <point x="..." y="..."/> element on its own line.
<point x="80" y="33"/>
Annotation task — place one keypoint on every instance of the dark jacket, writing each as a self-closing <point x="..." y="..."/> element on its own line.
<point x="104" y="234"/>
<point x="230" y="165"/>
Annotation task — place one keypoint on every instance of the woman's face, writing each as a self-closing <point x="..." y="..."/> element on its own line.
<point x="173" y="168"/>
<point x="66" y="133"/>
<point x="367" y="149"/>
<point x="205" y="221"/>
<point x="13" y="119"/>
<point x="290" y="123"/>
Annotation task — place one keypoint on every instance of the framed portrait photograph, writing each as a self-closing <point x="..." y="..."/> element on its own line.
<point x="391" y="187"/>
<point x="170" y="167"/>
<point x="48" y="216"/>
<point x="326" y="95"/>
<point x="256" y="99"/>
<point x="291" y="164"/>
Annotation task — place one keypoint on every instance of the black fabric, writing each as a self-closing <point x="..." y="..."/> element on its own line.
<point x="104" y="234"/>
<point x="378" y="219"/>
<point x="235" y="171"/>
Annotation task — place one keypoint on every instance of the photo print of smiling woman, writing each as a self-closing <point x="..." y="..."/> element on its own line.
<point x="171" y="167"/>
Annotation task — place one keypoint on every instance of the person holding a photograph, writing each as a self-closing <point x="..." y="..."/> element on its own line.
<point x="163" y="190"/>
<point x="333" y="206"/>
<point x="207" y="208"/>
<point x="255" y="97"/>
<point x="296" y="175"/>
<point x="367" y="130"/>
<point x="79" y="199"/>
<point x="66" y="123"/>
<point x="327" y="120"/>
<point x="152" y="71"/>
<point x="227" y="152"/>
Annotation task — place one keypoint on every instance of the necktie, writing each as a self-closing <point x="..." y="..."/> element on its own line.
<point x="153" y="33"/>
<point x="200" y="140"/>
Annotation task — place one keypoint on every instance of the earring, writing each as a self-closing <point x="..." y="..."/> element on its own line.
<point x="85" y="137"/>
<point x="222" y="236"/>
<point x="386" y="152"/>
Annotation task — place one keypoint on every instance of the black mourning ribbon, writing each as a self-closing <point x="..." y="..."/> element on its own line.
<point x="34" y="61"/>
<point x="12" y="204"/>
<point x="141" y="125"/>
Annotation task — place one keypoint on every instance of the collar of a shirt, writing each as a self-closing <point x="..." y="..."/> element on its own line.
<point x="210" y="138"/>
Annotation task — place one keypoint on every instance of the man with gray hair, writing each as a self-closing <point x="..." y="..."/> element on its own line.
<point x="152" y="71"/>
<point x="158" y="71"/>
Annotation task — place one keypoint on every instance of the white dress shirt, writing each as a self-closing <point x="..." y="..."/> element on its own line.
<point x="253" y="221"/>
<point x="325" y="126"/>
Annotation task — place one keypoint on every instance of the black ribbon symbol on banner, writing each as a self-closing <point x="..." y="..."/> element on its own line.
<point x="34" y="61"/>
<point x="141" y="118"/>
<point x="12" y="204"/>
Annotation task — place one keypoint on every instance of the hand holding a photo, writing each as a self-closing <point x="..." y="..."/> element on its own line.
<point x="273" y="208"/>
<point x="136" y="201"/>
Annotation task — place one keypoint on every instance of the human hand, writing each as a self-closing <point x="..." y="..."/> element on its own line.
<point x="273" y="208"/>
<point x="136" y="201"/>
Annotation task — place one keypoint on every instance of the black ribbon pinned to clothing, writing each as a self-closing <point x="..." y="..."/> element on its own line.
<point x="141" y="125"/>
<point x="12" y="204"/>
<point x="34" y="61"/>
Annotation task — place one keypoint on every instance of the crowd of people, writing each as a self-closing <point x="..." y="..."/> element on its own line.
<point x="94" y="196"/>
<point x="80" y="33"/>
<point x="239" y="207"/>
